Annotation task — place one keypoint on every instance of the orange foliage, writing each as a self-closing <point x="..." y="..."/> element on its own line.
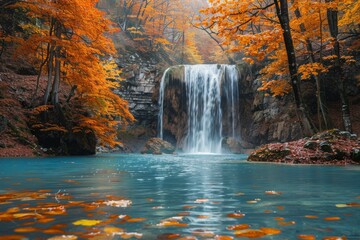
<point x="253" y="28"/>
<point x="76" y="32"/>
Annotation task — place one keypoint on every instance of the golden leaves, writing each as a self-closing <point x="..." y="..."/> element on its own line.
<point x="86" y="222"/>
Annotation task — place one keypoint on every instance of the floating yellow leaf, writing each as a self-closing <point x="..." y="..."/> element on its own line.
<point x="252" y="201"/>
<point x="249" y="233"/>
<point x="341" y="205"/>
<point x="279" y="218"/>
<point x="86" y="222"/>
<point x="202" y="216"/>
<point x="270" y="231"/>
<point x="311" y="216"/>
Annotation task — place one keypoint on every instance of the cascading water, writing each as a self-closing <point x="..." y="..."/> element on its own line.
<point x="206" y="86"/>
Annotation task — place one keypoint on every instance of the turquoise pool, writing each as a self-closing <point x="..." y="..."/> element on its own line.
<point x="133" y="196"/>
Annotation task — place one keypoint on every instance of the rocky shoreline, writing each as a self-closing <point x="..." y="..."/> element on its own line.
<point x="332" y="147"/>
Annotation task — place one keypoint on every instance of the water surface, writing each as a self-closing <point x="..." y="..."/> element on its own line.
<point x="202" y="189"/>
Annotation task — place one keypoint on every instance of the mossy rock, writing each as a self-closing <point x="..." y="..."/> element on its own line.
<point x="268" y="155"/>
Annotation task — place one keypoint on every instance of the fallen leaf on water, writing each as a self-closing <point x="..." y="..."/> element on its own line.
<point x="46" y="220"/>
<point x="273" y="193"/>
<point x="188" y="207"/>
<point x="235" y="215"/>
<point x="64" y="237"/>
<point x="341" y="205"/>
<point x="280" y="207"/>
<point x="202" y="216"/>
<point x="113" y="230"/>
<point x="219" y="237"/>
<point x="26" y="230"/>
<point x="240" y="194"/>
<point x="201" y="200"/>
<point x="306" y="237"/>
<point x="124" y="217"/>
<point x="71" y="181"/>
<point x="286" y="223"/>
<point x="53" y="231"/>
<point x="171" y="224"/>
<point x="332" y="219"/>
<point x="252" y="201"/>
<point x="249" y="233"/>
<point x="133" y="220"/>
<point x="86" y="222"/>
<point x="118" y="203"/>
<point x="12" y="237"/>
<point x="27" y="215"/>
<point x="238" y="227"/>
<point x="183" y="214"/>
<point x="279" y="218"/>
<point x="270" y="231"/>
<point x="166" y="236"/>
<point x="311" y="216"/>
<point x="353" y="204"/>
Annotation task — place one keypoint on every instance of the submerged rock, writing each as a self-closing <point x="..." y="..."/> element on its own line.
<point x="157" y="146"/>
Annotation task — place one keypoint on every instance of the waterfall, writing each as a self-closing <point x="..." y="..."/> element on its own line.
<point x="212" y="96"/>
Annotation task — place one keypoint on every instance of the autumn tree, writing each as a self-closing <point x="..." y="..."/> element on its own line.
<point x="254" y="27"/>
<point x="70" y="45"/>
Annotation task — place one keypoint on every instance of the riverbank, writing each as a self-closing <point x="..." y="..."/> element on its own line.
<point x="332" y="147"/>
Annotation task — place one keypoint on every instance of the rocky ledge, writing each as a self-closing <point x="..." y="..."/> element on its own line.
<point x="332" y="147"/>
<point x="157" y="146"/>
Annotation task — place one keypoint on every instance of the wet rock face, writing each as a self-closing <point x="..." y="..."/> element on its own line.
<point x="157" y="146"/>
<point x="138" y="89"/>
<point x="266" y="119"/>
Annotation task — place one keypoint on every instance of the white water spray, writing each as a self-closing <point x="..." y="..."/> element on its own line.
<point x="206" y="86"/>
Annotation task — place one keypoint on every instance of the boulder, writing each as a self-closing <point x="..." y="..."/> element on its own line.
<point x="326" y="147"/>
<point x="157" y="146"/>
<point x="311" y="145"/>
<point x="355" y="154"/>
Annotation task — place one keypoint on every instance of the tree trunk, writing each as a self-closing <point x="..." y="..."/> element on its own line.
<point x="322" y="114"/>
<point x="332" y="16"/>
<point x="283" y="16"/>
<point x="49" y="78"/>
